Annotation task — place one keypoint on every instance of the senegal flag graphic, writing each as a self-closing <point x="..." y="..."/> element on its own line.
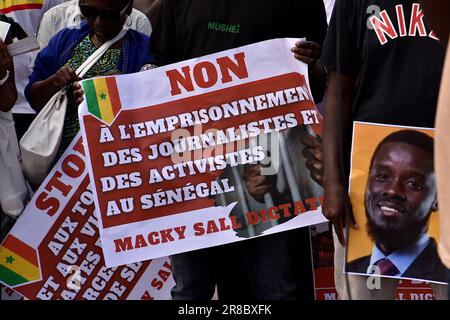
<point x="7" y="6"/>
<point x="18" y="263"/>
<point x="102" y="98"/>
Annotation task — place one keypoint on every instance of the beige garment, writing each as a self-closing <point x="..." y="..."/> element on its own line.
<point x="355" y="287"/>
<point x="442" y="162"/>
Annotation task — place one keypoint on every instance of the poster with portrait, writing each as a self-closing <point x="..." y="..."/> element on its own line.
<point x="169" y="149"/>
<point x="393" y="194"/>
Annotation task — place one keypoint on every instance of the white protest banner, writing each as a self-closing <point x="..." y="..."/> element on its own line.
<point x="167" y="149"/>
<point x="54" y="249"/>
<point x="9" y="294"/>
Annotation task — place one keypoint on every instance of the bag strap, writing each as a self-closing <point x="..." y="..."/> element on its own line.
<point x="93" y="58"/>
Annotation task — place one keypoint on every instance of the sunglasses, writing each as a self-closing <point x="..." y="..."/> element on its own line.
<point x="107" y="15"/>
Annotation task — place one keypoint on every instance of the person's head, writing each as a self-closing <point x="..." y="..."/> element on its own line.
<point x="105" y="17"/>
<point x="401" y="189"/>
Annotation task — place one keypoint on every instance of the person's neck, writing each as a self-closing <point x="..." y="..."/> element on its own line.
<point x="97" y="43"/>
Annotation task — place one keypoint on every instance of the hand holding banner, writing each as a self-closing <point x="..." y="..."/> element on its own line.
<point x="167" y="148"/>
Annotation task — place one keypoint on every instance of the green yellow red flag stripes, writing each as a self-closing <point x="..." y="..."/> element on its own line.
<point x="7" y="6"/>
<point x="18" y="263"/>
<point x="102" y="98"/>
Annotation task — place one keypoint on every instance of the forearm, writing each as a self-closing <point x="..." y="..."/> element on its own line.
<point x="318" y="80"/>
<point x="8" y="93"/>
<point x="41" y="92"/>
<point x="337" y="128"/>
<point x="332" y="144"/>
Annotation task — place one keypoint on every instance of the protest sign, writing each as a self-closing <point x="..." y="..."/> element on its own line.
<point x="322" y="249"/>
<point x="167" y="149"/>
<point x="393" y="194"/>
<point x="322" y="252"/>
<point x="54" y="249"/>
<point x="414" y="290"/>
<point x="9" y="294"/>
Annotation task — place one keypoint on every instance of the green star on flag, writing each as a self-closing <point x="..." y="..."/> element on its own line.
<point x="10" y="259"/>
<point x="102" y="98"/>
<point x="18" y="262"/>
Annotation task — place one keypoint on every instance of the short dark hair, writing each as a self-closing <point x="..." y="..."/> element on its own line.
<point x="412" y="137"/>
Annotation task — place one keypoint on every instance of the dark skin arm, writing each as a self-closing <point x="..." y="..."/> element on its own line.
<point x="8" y="91"/>
<point x="336" y="199"/>
<point x="78" y="93"/>
<point x="42" y="91"/>
<point x="309" y="53"/>
<point x="149" y="7"/>
<point x="313" y="152"/>
<point x="153" y="11"/>
<point x="438" y="15"/>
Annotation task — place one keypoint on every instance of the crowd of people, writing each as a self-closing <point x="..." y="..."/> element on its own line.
<point x="361" y="68"/>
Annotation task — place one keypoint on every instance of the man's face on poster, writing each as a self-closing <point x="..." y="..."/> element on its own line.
<point x="400" y="194"/>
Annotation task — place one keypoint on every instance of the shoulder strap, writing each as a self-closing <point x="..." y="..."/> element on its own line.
<point x="89" y="63"/>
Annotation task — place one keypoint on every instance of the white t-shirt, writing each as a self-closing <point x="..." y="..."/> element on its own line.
<point x="27" y="13"/>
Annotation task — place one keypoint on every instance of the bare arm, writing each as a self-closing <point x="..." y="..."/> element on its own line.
<point x="149" y="7"/>
<point x="318" y="79"/>
<point x="8" y="92"/>
<point x="153" y="11"/>
<point x="309" y="53"/>
<point x="42" y="91"/>
<point x="337" y="129"/>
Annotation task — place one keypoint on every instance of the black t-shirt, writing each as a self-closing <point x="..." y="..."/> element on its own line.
<point x="191" y="28"/>
<point x="397" y="64"/>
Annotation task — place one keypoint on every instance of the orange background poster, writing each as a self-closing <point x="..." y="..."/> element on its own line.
<point x="366" y="138"/>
